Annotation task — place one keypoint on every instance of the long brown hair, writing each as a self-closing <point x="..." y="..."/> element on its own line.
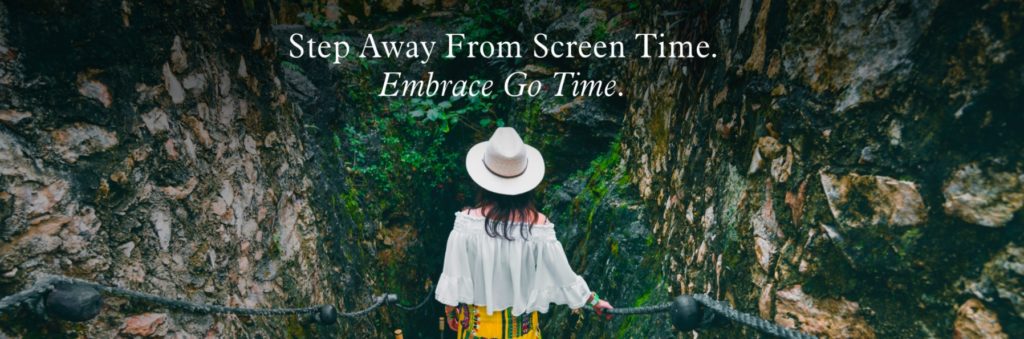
<point x="505" y="212"/>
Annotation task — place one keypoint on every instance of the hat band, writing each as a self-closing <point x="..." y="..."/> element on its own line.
<point x="527" y="164"/>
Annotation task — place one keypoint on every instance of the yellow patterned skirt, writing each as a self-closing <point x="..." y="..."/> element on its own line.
<point x="474" y="322"/>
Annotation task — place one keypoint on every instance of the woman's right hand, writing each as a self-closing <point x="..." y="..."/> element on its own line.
<point x="452" y="317"/>
<point x="603" y="306"/>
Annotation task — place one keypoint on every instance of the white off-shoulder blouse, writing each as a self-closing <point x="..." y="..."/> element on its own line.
<point x="526" y="275"/>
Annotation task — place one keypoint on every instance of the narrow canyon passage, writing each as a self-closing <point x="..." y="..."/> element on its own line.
<point x="847" y="169"/>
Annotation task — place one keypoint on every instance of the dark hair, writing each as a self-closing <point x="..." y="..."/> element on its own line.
<point x="504" y="212"/>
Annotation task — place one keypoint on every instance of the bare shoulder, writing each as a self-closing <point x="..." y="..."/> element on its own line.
<point x="542" y="219"/>
<point x="473" y="212"/>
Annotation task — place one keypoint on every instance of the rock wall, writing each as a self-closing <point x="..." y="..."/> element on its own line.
<point x="838" y="167"/>
<point x="851" y="169"/>
<point x="152" y="146"/>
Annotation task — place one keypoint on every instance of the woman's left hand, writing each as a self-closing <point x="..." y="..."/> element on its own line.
<point x="601" y="307"/>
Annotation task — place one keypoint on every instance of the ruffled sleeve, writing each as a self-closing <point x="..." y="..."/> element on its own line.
<point x="524" y="274"/>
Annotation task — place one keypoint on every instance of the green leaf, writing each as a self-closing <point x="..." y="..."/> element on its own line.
<point x="501" y="123"/>
<point x="433" y="114"/>
<point x="485" y="122"/>
<point x="416" y="113"/>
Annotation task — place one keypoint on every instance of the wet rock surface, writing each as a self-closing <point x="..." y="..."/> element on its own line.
<point x="147" y="160"/>
<point x="983" y="197"/>
<point x="822" y="317"/>
<point x="973" y="320"/>
<point x="828" y="151"/>
<point x="843" y="168"/>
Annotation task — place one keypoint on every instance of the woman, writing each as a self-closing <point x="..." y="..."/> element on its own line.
<point x="503" y="263"/>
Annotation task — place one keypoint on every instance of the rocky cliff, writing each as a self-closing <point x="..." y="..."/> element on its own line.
<point x="151" y="146"/>
<point x="847" y="169"/>
<point x="852" y="169"/>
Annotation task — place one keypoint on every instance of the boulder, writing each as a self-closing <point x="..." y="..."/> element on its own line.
<point x="983" y="196"/>
<point x="858" y="201"/>
<point x="145" y="325"/>
<point x="81" y="139"/>
<point x="973" y="320"/>
<point x="12" y="117"/>
<point x="833" y="318"/>
<point x="1001" y="278"/>
<point x="870" y="214"/>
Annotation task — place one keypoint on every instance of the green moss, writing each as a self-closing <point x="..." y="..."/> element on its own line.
<point x="294" y="329"/>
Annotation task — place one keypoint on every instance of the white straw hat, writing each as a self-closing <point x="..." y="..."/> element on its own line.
<point x="504" y="164"/>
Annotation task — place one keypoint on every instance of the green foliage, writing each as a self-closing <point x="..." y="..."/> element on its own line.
<point x="318" y="22"/>
<point x="289" y="65"/>
<point x="600" y="31"/>
<point x="485" y="22"/>
<point x="404" y="149"/>
<point x="443" y="114"/>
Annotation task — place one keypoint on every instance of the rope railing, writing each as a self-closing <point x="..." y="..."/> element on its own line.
<point x="74" y="299"/>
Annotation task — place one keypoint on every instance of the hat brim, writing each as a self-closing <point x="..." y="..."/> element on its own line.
<point x="523" y="183"/>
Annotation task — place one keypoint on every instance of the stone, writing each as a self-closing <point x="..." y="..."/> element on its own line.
<point x="287" y="220"/>
<point x="179" y="60"/>
<point x="857" y="201"/>
<point x="795" y="201"/>
<point x="782" y="167"/>
<point x="542" y="11"/>
<point x="757" y="53"/>
<point x="756" y="161"/>
<point x="171" y="150"/>
<point x="156" y="121"/>
<point x="127" y="248"/>
<point x="180" y="192"/>
<point x="1001" y="278"/>
<point x="769" y="147"/>
<point x="40" y="237"/>
<point x="81" y="139"/>
<point x="145" y="325"/>
<point x="871" y="214"/>
<point x="243" y="70"/>
<point x="195" y="82"/>
<point x="392" y="5"/>
<point x="764" y="302"/>
<point x="579" y="27"/>
<point x="172" y="85"/>
<point x="983" y="196"/>
<point x="199" y="130"/>
<point x="250" y="144"/>
<point x="162" y="224"/>
<point x="833" y="318"/>
<point x="12" y="117"/>
<point x="95" y="90"/>
<point x="746" y="8"/>
<point x="973" y="320"/>
<point x="766" y="232"/>
<point x="537" y="70"/>
<point x="6" y="206"/>
<point x="298" y="86"/>
<point x="42" y="200"/>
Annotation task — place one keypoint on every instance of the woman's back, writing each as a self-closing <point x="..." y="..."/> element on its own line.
<point x="503" y="262"/>
<point x="525" y="274"/>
